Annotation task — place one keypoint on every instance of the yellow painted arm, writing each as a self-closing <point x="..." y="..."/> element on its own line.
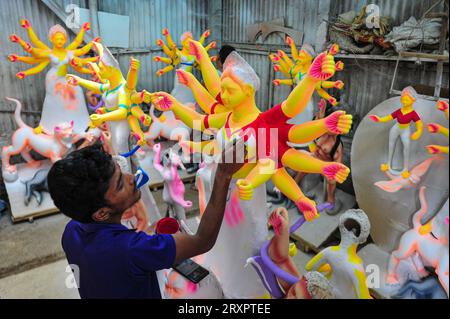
<point x="25" y="59"/>
<point x="293" y="46"/>
<point x="322" y="68"/>
<point x="165" y="102"/>
<point x="307" y="132"/>
<point x="170" y="52"/>
<point x="196" y="120"/>
<point x="133" y="73"/>
<point x="280" y="65"/>
<point x="84" y="50"/>
<point x="437" y="149"/>
<point x="386" y="119"/>
<point x="39" y="53"/>
<point x="443" y="131"/>
<point x="201" y="95"/>
<point x="79" y="38"/>
<point x="33" y="37"/>
<point x="37" y="69"/>
<point x="203" y="37"/>
<point x="332" y="84"/>
<point x="299" y="97"/>
<point x="209" y="72"/>
<point x="418" y="133"/>
<point x="325" y="95"/>
<point x="315" y="262"/>
<point x="35" y="52"/>
<point x="278" y="82"/>
<point x="137" y="97"/>
<point x="97" y="88"/>
<point x="119" y="114"/>
<point x="170" y="43"/>
<point x="77" y="64"/>
<point x="260" y="174"/>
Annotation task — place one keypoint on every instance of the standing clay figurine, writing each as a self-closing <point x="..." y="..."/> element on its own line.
<point x="342" y="265"/>
<point x="173" y="193"/>
<point x="402" y="130"/>
<point x="63" y="102"/>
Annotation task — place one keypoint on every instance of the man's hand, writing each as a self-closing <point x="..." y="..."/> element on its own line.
<point x="137" y="211"/>
<point x="232" y="159"/>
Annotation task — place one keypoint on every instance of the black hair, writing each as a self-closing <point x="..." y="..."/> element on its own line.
<point x="78" y="183"/>
<point x="225" y="52"/>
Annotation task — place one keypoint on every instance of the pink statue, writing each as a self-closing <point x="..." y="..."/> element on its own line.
<point x="429" y="242"/>
<point x="173" y="193"/>
<point x="53" y="146"/>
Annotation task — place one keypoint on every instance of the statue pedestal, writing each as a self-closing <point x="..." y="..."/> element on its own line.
<point x="17" y="190"/>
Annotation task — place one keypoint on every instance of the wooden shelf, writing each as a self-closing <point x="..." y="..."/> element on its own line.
<point x="386" y="58"/>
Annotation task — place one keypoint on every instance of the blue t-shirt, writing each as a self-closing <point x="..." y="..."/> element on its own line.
<point x="115" y="262"/>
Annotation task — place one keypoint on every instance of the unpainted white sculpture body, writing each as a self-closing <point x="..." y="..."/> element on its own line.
<point x="63" y="103"/>
<point x="26" y="139"/>
<point x="346" y="273"/>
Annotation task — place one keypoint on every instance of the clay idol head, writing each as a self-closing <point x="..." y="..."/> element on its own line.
<point x="409" y="96"/>
<point x="239" y="81"/>
<point x="354" y="226"/>
<point x="57" y="36"/>
<point x="107" y="64"/>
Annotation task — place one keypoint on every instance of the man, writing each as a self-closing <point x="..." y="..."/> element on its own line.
<point x="113" y="261"/>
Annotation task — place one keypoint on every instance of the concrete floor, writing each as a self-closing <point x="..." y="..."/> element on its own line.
<point x="44" y="282"/>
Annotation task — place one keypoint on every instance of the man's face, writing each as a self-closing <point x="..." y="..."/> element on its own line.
<point x="122" y="192"/>
<point x="219" y="65"/>
<point x="92" y="99"/>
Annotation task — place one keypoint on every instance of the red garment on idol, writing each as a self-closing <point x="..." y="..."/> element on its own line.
<point x="405" y="118"/>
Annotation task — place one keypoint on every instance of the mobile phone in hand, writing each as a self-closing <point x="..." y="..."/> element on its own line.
<point x="191" y="271"/>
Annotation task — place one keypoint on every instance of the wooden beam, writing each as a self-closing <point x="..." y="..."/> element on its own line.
<point x="420" y="55"/>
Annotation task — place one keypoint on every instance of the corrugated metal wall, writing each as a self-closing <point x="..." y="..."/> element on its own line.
<point x="301" y="15"/>
<point x="147" y="19"/>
